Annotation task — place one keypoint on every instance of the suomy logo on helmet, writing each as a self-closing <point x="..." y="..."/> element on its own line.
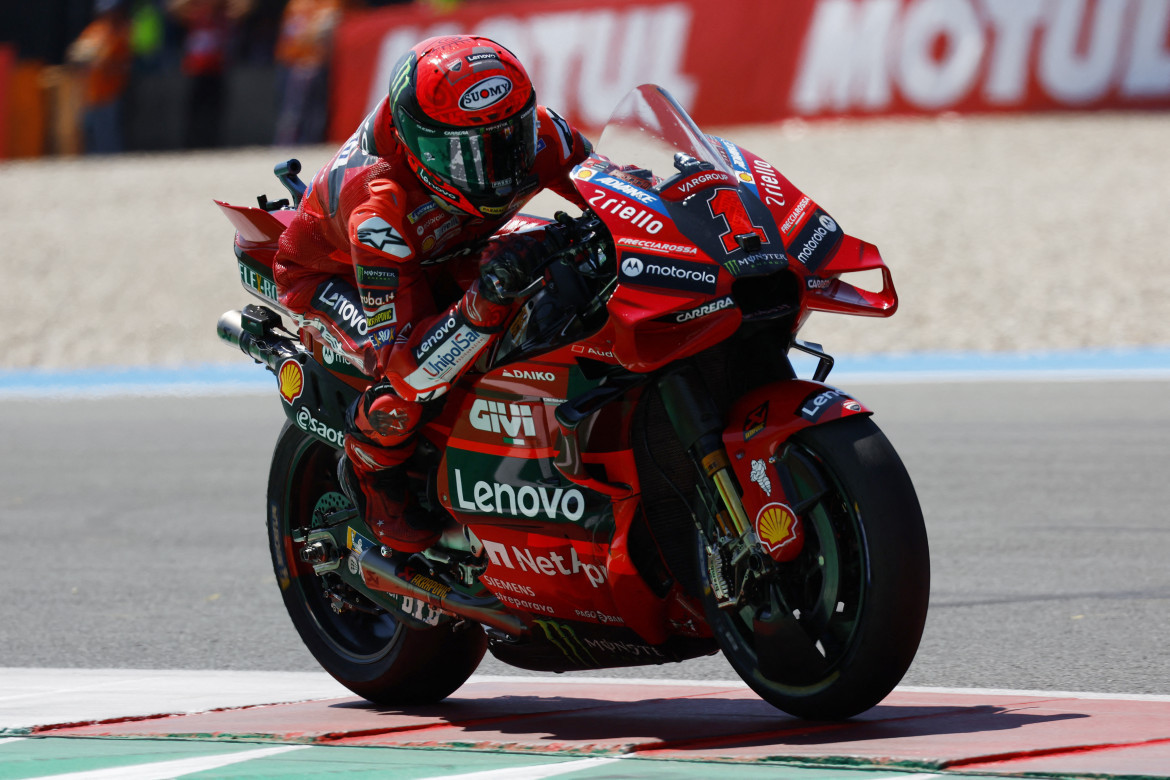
<point x="486" y="93"/>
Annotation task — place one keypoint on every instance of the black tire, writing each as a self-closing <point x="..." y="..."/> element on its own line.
<point x="374" y="655"/>
<point x="860" y="584"/>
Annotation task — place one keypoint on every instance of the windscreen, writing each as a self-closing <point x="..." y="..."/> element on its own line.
<point x="649" y="127"/>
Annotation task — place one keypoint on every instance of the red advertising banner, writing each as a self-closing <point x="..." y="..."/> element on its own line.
<point x="748" y="61"/>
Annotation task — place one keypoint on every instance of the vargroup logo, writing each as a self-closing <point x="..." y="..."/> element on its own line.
<point x="486" y="93"/>
<point x="632" y="266"/>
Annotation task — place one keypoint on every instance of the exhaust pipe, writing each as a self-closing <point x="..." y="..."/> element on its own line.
<point x="383" y="575"/>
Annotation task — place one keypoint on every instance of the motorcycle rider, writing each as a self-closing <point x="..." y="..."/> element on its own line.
<point x="407" y="205"/>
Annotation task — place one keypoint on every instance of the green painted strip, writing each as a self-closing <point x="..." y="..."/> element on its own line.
<point x="73" y="758"/>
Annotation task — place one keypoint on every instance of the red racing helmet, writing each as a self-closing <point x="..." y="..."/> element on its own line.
<point x="465" y="110"/>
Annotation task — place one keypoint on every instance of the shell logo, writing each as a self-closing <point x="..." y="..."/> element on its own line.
<point x="291" y="380"/>
<point x="779" y="531"/>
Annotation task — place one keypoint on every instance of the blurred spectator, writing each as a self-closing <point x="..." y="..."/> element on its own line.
<point x="208" y="25"/>
<point x="103" y="51"/>
<point x="302" y="57"/>
<point x="147" y="35"/>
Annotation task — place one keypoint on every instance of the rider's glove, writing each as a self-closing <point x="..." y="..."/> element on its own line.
<point x="508" y="263"/>
<point x="507" y="272"/>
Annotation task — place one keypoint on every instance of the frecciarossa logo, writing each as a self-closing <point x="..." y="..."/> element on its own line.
<point x="672" y="274"/>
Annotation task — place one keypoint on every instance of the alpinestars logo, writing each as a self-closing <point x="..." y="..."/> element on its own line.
<point x="377" y="233"/>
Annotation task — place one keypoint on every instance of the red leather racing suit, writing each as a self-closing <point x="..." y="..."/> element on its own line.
<point x="369" y="248"/>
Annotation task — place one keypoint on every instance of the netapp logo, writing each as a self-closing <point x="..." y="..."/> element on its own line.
<point x="672" y="274"/>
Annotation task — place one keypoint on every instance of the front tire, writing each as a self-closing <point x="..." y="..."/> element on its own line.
<point x="369" y="652"/>
<point x="857" y="592"/>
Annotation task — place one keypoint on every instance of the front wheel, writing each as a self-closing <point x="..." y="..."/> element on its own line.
<point x="362" y="645"/>
<point x="829" y="634"/>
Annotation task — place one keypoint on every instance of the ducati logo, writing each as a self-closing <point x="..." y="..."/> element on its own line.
<point x="632" y="266"/>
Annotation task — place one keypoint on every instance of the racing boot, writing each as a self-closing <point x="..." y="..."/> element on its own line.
<point x="378" y="440"/>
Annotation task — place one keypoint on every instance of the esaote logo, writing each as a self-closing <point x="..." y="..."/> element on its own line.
<point x="881" y="55"/>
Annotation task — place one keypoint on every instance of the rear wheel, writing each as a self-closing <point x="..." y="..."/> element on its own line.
<point x="829" y="634"/>
<point x="363" y="646"/>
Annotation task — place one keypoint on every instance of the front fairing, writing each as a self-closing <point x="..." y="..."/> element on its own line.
<point x="708" y="234"/>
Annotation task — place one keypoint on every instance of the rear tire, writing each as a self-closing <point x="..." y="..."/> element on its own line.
<point x="374" y="655"/>
<point x="859" y="588"/>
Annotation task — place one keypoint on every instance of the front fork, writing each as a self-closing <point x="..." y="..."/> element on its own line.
<point x="735" y="558"/>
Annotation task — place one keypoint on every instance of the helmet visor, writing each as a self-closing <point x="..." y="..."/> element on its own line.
<point x="484" y="163"/>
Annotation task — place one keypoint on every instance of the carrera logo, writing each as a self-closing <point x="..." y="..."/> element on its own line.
<point x="486" y="93"/>
<point x="702" y="311"/>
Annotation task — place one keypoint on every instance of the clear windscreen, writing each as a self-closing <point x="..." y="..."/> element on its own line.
<point x="648" y="128"/>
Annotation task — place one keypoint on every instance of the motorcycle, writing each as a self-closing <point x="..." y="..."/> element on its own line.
<point x="634" y="474"/>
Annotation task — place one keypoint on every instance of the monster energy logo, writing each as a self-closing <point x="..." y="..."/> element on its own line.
<point x="565" y="639"/>
<point x="401" y="78"/>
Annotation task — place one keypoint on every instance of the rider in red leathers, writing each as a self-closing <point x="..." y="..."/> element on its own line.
<point x="447" y="158"/>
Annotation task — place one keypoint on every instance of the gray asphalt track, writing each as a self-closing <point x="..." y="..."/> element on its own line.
<point x="134" y="535"/>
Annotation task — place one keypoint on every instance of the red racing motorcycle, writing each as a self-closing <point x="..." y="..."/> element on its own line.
<point x="634" y="474"/>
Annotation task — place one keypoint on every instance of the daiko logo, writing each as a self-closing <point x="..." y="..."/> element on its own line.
<point x="486" y="93"/>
